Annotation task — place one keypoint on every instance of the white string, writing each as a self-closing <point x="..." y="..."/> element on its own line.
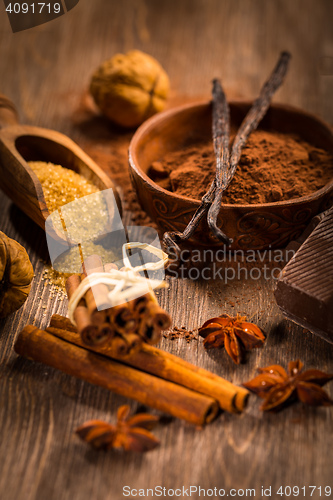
<point x="127" y="283"/>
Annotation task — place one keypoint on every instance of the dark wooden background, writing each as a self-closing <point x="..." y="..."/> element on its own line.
<point x="46" y="71"/>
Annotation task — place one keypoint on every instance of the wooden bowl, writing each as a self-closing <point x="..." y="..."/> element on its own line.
<point x="252" y="226"/>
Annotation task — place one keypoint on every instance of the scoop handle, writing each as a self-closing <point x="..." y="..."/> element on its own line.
<point x="8" y="113"/>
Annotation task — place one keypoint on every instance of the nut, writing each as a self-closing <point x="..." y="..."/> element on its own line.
<point x="129" y="88"/>
<point x="16" y="274"/>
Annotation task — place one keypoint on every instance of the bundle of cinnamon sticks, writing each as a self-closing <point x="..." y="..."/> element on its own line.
<point x="149" y="375"/>
<point x="127" y="325"/>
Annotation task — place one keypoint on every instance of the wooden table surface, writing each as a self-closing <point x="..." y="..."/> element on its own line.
<point x="46" y="71"/>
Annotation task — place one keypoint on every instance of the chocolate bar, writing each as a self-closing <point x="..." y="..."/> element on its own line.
<point x="304" y="292"/>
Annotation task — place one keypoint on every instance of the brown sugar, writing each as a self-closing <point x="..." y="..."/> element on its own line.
<point x="60" y="185"/>
<point x="273" y="167"/>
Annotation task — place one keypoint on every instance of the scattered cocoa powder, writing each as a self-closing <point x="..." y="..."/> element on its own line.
<point x="180" y="333"/>
<point x="108" y="146"/>
<point x="273" y="167"/>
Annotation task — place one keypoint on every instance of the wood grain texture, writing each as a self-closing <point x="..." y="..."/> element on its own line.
<point x="45" y="71"/>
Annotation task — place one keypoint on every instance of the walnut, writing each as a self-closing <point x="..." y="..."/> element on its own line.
<point x="16" y="274"/>
<point x="129" y="88"/>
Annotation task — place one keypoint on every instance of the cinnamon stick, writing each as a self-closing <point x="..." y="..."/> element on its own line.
<point x="97" y="369"/>
<point x="97" y="296"/>
<point x="63" y="323"/>
<point x="81" y="313"/>
<point x="165" y="365"/>
<point x="115" y="349"/>
<point x="142" y="315"/>
<point x="154" y="320"/>
<point x="109" y="266"/>
<point x="122" y="318"/>
<point x="133" y="342"/>
<point x="139" y="305"/>
<point x="118" y="346"/>
<point x="105" y="333"/>
<point x="91" y="323"/>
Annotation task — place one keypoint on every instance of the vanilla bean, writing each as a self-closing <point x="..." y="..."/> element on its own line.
<point x="211" y="201"/>
<point x="221" y="137"/>
<point x="221" y="132"/>
<point x="171" y="239"/>
<point x="257" y="111"/>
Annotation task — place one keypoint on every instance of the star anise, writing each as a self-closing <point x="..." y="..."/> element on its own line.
<point x="234" y="333"/>
<point x="277" y="387"/>
<point x="131" y="433"/>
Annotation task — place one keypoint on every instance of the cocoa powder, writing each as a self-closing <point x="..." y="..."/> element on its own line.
<point x="273" y="167"/>
<point x="108" y="146"/>
<point x="181" y="333"/>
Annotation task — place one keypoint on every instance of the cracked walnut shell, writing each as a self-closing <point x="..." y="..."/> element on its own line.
<point x="16" y="273"/>
<point x="129" y="88"/>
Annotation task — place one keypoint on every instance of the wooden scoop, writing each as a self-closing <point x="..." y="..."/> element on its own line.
<point x="22" y="143"/>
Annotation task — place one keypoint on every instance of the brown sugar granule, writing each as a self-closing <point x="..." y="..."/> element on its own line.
<point x="86" y="219"/>
<point x="61" y="185"/>
<point x="180" y="333"/>
<point x="273" y="167"/>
